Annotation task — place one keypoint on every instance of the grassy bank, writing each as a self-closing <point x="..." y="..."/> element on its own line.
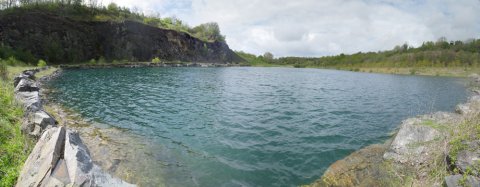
<point x="14" y="146"/>
<point x="439" y="58"/>
<point x="427" y="71"/>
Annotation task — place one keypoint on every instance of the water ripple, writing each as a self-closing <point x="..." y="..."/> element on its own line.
<point x="251" y="126"/>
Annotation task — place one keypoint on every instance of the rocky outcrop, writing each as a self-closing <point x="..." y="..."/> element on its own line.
<point x="60" y="39"/>
<point x="59" y="158"/>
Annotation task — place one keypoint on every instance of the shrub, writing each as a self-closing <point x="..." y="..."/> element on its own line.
<point x="156" y="60"/>
<point x="3" y="70"/>
<point x="42" y="63"/>
<point x="12" y="61"/>
<point x="92" y="62"/>
<point x="413" y="71"/>
<point x="102" y="60"/>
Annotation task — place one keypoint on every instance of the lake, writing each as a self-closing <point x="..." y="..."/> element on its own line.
<point x="248" y="126"/>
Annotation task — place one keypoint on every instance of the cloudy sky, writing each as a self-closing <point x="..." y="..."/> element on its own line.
<point x="324" y="27"/>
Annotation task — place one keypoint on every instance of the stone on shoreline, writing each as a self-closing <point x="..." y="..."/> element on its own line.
<point x="78" y="160"/>
<point x="412" y="143"/>
<point x="36" y="123"/>
<point x="43" y="158"/>
<point x="30" y="100"/>
<point x="469" y="158"/>
<point x="26" y="85"/>
<point x="455" y="181"/>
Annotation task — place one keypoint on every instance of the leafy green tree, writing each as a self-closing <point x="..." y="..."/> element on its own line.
<point x="156" y="60"/>
<point x="268" y="56"/>
<point x="41" y="63"/>
<point x="113" y="7"/>
<point x="209" y="31"/>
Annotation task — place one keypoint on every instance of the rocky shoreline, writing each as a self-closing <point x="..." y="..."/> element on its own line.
<point x="59" y="158"/>
<point x="148" y="64"/>
<point x="439" y="149"/>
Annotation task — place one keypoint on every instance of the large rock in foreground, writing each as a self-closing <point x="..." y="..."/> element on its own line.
<point x="61" y="159"/>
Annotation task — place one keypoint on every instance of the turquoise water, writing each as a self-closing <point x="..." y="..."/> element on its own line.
<point x="252" y="126"/>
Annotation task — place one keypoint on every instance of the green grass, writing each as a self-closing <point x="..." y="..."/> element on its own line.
<point x="14" y="147"/>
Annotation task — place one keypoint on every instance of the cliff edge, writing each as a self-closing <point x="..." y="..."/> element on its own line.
<point x="61" y="39"/>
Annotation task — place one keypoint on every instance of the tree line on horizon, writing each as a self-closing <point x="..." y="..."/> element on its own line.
<point x="440" y="53"/>
<point x="96" y="11"/>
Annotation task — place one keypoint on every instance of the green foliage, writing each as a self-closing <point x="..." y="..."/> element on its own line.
<point x="208" y="31"/>
<point x="92" y="62"/>
<point x="457" y="144"/>
<point x="12" y="61"/>
<point x="252" y="59"/>
<point x="413" y="71"/>
<point x="92" y="10"/>
<point x="440" y="54"/>
<point x="3" y="70"/>
<point x="101" y="60"/>
<point x="156" y="60"/>
<point x="42" y="63"/>
<point x="21" y="55"/>
<point x="14" y="147"/>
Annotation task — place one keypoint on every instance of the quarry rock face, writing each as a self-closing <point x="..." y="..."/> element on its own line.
<point x="57" y="39"/>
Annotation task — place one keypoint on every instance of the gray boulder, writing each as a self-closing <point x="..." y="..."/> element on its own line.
<point x="30" y="100"/>
<point x="78" y="160"/>
<point x="43" y="158"/>
<point x="469" y="158"/>
<point x="412" y="143"/>
<point x="36" y="123"/>
<point x="26" y="85"/>
<point x="18" y="78"/>
<point x="472" y="107"/>
<point x="455" y="181"/>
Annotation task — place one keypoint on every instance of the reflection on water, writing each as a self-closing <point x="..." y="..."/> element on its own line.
<point x="243" y="126"/>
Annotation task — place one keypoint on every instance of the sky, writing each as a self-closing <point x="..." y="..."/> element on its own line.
<point x="323" y="27"/>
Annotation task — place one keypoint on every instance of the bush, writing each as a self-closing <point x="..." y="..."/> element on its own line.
<point x="92" y="62"/>
<point x="156" y="60"/>
<point x="12" y="61"/>
<point x="102" y="60"/>
<point x="42" y="63"/>
<point x="3" y="70"/>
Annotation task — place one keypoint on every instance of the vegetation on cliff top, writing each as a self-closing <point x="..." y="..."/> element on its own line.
<point x="442" y="57"/>
<point x="77" y="31"/>
<point x="92" y="10"/>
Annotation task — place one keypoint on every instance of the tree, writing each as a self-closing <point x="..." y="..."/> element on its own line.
<point x="268" y="56"/>
<point x="112" y="7"/>
<point x="209" y="31"/>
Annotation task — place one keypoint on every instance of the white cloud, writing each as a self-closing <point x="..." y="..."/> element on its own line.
<point x="317" y="28"/>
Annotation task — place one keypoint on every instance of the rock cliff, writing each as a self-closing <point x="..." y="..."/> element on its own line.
<point x="59" y="39"/>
